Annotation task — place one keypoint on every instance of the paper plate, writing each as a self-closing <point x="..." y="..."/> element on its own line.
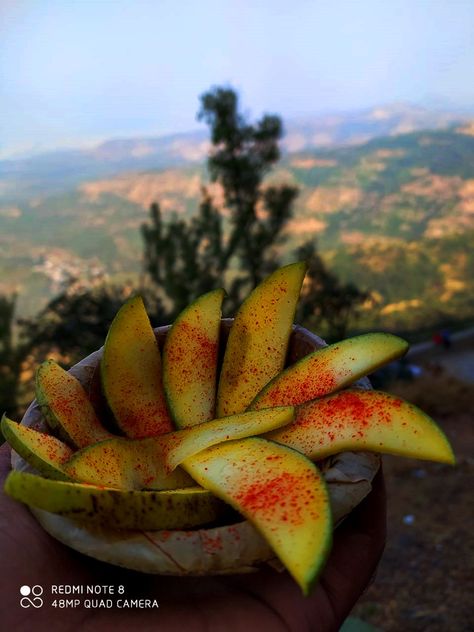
<point x="234" y="548"/>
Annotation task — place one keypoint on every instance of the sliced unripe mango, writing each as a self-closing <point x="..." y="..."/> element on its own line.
<point x="190" y="361"/>
<point x="330" y="369"/>
<point x="43" y="452"/>
<point x="185" y="443"/>
<point x="66" y="407"/>
<point x="280" y="491"/>
<point x="126" y="464"/>
<point x="148" y="463"/>
<point x="364" y="420"/>
<point x="131" y="374"/>
<point x="258" y="339"/>
<point x="177" y="509"/>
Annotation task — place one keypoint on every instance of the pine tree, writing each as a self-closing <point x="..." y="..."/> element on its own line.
<point x="74" y="323"/>
<point x="327" y="304"/>
<point x="10" y="357"/>
<point x="185" y="259"/>
<point x="182" y="258"/>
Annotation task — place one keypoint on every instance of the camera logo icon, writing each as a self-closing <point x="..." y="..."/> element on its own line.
<point x="31" y="596"/>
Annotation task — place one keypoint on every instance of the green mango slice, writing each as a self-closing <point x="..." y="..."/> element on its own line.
<point x="330" y="369"/>
<point x="364" y="420"/>
<point x="280" y="491"/>
<point x="177" y="509"/>
<point x="190" y="361"/>
<point x="150" y="463"/>
<point x="131" y="374"/>
<point x="43" y="452"/>
<point x="66" y="407"/>
<point x="258" y="339"/>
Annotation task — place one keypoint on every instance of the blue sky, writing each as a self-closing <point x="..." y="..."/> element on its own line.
<point x="78" y="71"/>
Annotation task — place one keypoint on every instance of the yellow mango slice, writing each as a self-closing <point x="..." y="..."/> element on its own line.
<point x="330" y="369"/>
<point x="127" y="464"/>
<point x="177" y="509"/>
<point x="131" y="374"/>
<point x="258" y="339"/>
<point x="43" y="452"/>
<point x="280" y="491"/>
<point x="185" y="443"/>
<point x="364" y="420"/>
<point x="66" y="407"/>
<point x="149" y="463"/>
<point x="190" y="361"/>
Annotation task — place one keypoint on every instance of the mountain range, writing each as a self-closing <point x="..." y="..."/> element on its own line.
<point x="62" y="169"/>
<point x="388" y="194"/>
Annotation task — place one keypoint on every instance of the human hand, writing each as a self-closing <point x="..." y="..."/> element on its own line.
<point x="265" y="600"/>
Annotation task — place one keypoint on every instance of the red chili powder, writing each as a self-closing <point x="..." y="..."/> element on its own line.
<point x="204" y="349"/>
<point x="210" y="543"/>
<point x="233" y="532"/>
<point x="193" y="359"/>
<point x="352" y="406"/>
<point x="298" y="391"/>
<point x="268" y="498"/>
<point x="146" y="419"/>
<point x="361" y="409"/>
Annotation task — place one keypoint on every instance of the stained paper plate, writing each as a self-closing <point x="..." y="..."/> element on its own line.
<point x="234" y="548"/>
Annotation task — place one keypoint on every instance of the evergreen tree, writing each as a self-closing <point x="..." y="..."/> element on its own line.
<point x="182" y="258"/>
<point x="235" y="247"/>
<point x="241" y="157"/>
<point x="10" y="357"/>
<point x="185" y="259"/>
<point x="327" y="304"/>
<point x="74" y="323"/>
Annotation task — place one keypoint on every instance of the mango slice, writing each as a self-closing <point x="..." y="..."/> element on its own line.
<point x="280" y="491"/>
<point x="185" y="443"/>
<point x="43" y="452"/>
<point x="177" y="509"/>
<point x="190" y="361"/>
<point x="258" y="339"/>
<point x="149" y="463"/>
<point x="330" y="369"/>
<point x="66" y="407"/>
<point x="126" y="464"/>
<point x="131" y="374"/>
<point x="364" y="420"/>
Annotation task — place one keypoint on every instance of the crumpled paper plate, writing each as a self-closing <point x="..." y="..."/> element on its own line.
<point x="235" y="548"/>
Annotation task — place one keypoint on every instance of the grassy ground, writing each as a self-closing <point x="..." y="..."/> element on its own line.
<point x="425" y="580"/>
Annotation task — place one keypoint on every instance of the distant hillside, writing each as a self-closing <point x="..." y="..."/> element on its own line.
<point x="57" y="171"/>
<point x="395" y="215"/>
<point x="61" y="170"/>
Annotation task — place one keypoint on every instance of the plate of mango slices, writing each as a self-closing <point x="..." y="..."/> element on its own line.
<point x="213" y="446"/>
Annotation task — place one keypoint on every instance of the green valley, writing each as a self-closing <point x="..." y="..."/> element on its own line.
<point x="395" y="215"/>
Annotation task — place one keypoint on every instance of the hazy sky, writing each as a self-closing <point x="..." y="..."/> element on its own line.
<point x="73" y="71"/>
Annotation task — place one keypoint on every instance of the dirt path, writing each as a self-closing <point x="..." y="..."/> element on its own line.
<point x="425" y="581"/>
<point x="458" y="360"/>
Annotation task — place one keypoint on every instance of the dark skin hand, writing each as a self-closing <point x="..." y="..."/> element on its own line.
<point x="266" y="600"/>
